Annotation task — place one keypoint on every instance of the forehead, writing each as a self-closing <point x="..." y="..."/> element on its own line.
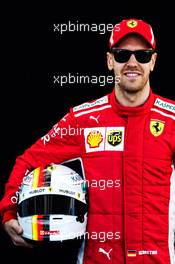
<point x="133" y="40"/>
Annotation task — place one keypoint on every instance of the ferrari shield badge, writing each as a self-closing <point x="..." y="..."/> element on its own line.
<point x="156" y="127"/>
<point x="132" y="23"/>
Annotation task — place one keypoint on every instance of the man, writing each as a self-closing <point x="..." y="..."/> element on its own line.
<point x="126" y="141"/>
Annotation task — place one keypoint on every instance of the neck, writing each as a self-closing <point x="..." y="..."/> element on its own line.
<point x="132" y="99"/>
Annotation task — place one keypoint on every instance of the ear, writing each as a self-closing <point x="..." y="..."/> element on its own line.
<point x="110" y="61"/>
<point x="153" y="61"/>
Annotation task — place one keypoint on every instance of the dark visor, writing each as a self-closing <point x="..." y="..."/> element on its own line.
<point x="51" y="204"/>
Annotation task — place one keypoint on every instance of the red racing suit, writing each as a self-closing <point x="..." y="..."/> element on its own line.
<point x="127" y="154"/>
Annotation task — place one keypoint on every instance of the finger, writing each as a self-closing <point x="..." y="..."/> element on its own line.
<point x="17" y="228"/>
<point x="19" y="241"/>
<point x="12" y="226"/>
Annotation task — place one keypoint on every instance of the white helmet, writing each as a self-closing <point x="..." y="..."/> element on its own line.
<point x="52" y="204"/>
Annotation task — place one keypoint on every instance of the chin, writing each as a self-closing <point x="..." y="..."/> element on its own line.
<point x="131" y="88"/>
<point x="132" y="91"/>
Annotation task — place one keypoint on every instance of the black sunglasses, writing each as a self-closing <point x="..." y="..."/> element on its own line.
<point x="123" y="55"/>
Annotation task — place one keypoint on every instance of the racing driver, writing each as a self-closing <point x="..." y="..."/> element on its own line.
<point x="125" y="139"/>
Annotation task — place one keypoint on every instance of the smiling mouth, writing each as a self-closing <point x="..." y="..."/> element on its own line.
<point x="132" y="74"/>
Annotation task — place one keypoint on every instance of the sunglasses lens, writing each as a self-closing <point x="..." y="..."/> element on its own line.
<point x="143" y="56"/>
<point x="122" y="55"/>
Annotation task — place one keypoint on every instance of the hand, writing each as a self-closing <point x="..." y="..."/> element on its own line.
<point x="14" y="230"/>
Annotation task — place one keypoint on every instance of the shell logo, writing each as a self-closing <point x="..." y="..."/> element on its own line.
<point x="94" y="139"/>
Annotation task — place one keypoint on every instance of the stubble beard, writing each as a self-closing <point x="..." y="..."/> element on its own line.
<point x="132" y="88"/>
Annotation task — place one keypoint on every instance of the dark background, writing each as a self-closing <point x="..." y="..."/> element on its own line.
<point x="32" y="53"/>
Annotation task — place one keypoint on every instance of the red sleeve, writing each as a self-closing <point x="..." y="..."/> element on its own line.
<point x="60" y="144"/>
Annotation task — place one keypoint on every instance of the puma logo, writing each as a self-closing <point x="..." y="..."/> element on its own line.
<point x="105" y="252"/>
<point x="95" y="118"/>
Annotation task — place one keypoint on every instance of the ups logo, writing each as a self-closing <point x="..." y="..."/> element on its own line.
<point x="114" y="137"/>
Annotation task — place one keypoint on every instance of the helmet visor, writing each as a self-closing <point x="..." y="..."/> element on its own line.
<point x="51" y="204"/>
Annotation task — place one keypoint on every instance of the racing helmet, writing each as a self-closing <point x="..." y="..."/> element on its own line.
<point x="52" y="204"/>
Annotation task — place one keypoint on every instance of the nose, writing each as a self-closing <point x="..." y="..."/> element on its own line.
<point x="132" y="61"/>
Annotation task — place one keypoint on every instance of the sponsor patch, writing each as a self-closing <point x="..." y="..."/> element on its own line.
<point x="157" y="127"/>
<point x="104" y="138"/>
<point x="94" y="139"/>
<point x="134" y="253"/>
<point x="99" y="101"/>
<point x="114" y="137"/>
<point x="147" y="252"/>
<point x="165" y="105"/>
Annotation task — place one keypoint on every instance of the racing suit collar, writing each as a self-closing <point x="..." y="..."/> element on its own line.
<point x="131" y="111"/>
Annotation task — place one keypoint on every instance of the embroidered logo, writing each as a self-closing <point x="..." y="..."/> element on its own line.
<point x="132" y="23"/>
<point x="157" y="127"/>
<point x="114" y="137"/>
<point x="165" y="105"/>
<point x="94" y="139"/>
<point x="104" y="139"/>
<point x="95" y="118"/>
<point x="87" y="105"/>
<point x="101" y="250"/>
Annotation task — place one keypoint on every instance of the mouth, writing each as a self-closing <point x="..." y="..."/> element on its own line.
<point x="132" y="74"/>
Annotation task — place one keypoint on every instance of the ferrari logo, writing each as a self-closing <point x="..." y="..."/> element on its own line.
<point x="132" y="23"/>
<point x="156" y="127"/>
